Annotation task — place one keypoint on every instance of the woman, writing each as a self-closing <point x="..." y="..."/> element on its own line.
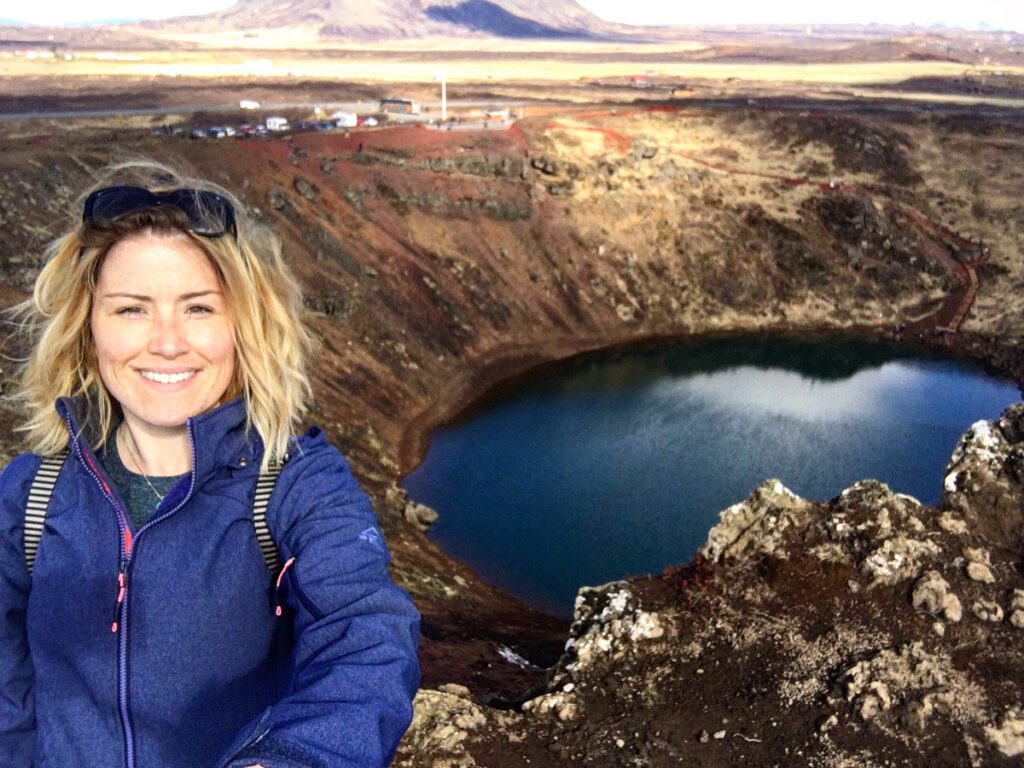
<point x="150" y="629"/>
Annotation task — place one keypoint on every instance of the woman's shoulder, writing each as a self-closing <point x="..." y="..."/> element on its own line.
<point x="15" y="481"/>
<point x="315" y="466"/>
<point x="312" y="439"/>
<point x="312" y="449"/>
<point x="21" y="468"/>
<point x="317" y="494"/>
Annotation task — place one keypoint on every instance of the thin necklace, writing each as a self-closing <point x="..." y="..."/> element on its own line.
<point x="133" y="451"/>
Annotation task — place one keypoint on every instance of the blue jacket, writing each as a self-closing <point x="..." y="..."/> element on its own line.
<point x="200" y="672"/>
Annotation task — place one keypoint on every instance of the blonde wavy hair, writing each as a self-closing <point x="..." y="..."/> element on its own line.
<point x="271" y="342"/>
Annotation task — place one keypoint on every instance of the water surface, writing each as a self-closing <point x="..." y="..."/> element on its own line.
<point x="619" y="464"/>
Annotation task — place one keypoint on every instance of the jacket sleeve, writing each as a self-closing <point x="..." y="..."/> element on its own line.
<point x="356" y="633"/>
<point x="17" y="679"/>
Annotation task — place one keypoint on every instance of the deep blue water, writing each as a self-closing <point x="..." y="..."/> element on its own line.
<point x="619" y="464"/>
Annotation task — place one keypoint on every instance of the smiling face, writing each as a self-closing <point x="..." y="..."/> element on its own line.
<point x="162" y="331"/>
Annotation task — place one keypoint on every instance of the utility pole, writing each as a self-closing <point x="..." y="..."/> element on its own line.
<point x="442" y="75"/>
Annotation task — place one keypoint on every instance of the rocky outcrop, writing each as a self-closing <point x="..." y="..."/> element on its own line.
<point x="866" y="630"/>
<point x="985" y="479"/>
<point x="607" y="624"/>
<point x="443" y="724"/>
<point x="757" y="526"/>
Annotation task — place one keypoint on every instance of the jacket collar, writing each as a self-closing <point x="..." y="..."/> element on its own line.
<point x="218" y="437"/>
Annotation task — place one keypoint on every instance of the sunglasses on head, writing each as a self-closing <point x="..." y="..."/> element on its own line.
<point x="209" y="214"/>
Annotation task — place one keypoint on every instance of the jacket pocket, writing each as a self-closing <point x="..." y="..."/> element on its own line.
<point x="258" y="731"/>
<point x="302" y="597"/>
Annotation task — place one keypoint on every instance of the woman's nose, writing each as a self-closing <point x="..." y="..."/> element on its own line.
<point x="168" y="337"/>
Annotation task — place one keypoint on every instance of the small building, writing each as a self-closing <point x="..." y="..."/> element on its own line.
<point x="400" y="106"/>
<point x="345" y="119"/>
<point x="277" y="123"/>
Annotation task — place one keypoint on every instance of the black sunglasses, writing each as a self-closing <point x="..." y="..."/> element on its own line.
<point x="209" y="214"/>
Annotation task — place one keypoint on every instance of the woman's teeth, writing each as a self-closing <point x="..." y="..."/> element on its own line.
<point x="168" y="378"/>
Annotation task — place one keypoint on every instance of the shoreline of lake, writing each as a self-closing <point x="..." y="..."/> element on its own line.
<point x="820" y="411"/>
<point x="508" y="367"/>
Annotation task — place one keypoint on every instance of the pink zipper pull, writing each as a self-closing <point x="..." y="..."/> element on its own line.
<point x="277" y="589"/>
<point x="120" y="599"/>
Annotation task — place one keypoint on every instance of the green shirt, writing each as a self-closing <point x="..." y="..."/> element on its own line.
<point x="140" y="497"/>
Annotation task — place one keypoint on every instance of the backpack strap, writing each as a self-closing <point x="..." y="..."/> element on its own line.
<point x="264" y="488"/>
<point x="45" y="479"/>
<point x="39" y="494"/>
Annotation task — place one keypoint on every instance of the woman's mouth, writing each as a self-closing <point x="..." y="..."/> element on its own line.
<point x="168" y="378"/>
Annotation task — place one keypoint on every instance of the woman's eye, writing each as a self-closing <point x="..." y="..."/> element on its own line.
<point x="129" y="311"/>
<point x="200" y="309"/>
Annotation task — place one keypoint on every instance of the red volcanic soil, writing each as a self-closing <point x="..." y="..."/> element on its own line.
<point x="417" y="140"/>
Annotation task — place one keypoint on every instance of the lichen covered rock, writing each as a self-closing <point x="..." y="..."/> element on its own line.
<point x="443" y="723"/>
<point x="607" y="624"/>
<point x="757" y="525"/>
<point x="897" y="559"/>
<point x="980" y="572"/>
<point x="984" y="481"/>
<point x="907" y="686"/>
<point x="1017" y="609"/>
<point x="1008" y="738"/>
<point x="987" y="610"/>
<point x="931" y="593"/>
<point x="560" y="704"/>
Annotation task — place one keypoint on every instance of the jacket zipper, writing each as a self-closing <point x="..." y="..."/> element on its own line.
<point x="120" y="623"/>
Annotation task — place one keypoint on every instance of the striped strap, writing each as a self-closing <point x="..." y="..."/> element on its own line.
<point x="38" y="502"/>
<point x="45" y="479"/>
<point x="264" y="488"/>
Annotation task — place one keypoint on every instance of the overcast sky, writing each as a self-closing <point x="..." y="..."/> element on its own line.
<point x="1000" y="14"/>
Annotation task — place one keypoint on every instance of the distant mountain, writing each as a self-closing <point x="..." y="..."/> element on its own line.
<point x="359" y="20"/>
<point x="96" y="23"/>
<point x="327" y="23"/>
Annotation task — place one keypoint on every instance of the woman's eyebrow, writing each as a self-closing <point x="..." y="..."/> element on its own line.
<point x="197" y="294"/>
<point x="144" y="297"/>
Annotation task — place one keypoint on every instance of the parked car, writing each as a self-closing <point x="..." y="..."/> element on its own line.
<point x="345" y="119"/>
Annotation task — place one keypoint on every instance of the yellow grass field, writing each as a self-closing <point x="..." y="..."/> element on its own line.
<point x="570" y="63"/>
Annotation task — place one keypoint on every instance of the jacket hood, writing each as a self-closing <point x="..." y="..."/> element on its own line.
<point x="219" y="437"/>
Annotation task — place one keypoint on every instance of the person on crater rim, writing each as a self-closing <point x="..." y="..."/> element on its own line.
<point x="156" y="609"/>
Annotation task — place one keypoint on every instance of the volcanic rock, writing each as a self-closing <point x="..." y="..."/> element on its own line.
<point x="420" y="515"/>
<point x="1008" y="738"/>
<point x="987" y="610"/>
<point x="980" y="572"/>
<point x="931" y="594"/>
<point x="983" y="482"/>
<point x="757" y="525"/>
